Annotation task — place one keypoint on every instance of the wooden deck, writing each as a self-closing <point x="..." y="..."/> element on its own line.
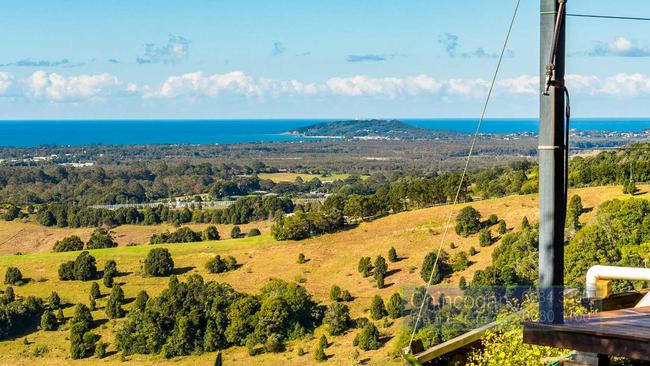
<point x="624" y="333"/>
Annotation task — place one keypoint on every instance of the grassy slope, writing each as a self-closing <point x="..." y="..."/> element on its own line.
<point x="291" y="177"/>
<point x="332" y="260"/>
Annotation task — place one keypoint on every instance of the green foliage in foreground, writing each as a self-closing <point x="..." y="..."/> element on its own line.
<point x="195" y="316"/>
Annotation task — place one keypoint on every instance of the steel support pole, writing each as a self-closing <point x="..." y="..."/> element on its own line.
<point x="552" y="205"/>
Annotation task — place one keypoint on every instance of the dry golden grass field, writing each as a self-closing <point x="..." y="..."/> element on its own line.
<point x="332" y="260"/>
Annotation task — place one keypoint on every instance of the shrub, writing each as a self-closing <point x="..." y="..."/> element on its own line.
<point x="84" y="267"/>
<point x="468" y="221"/>
<point x="452" y="245"/>
<point x="235" y="232"/>
<point x="364" y="266"/>
<point x="141" y="300"/>
<point x="346" y="296"/>
<point x="319" y="354"/>
<point x="82" y="316"/>
<point x="368" y="338"/>
<point x="100" y="238"/>
<point x="392" y="255"/>
<point x="472" y="251"/>
<point x="460" y="262"/>
<point x="11" y="213"/>
<point x="501" y="229"/>
<point x="381" y="268"/>
<point x="337" y="318"/>
<point x="100" y="349"/>
<point x="254" y="232"/>
<point x="442" y="268"/>
<point x="48" y="321"/>
<point x="485" y="238"/>
<point x="462" y="283"/>
<point x="69" y="244"/>
<point x="377" y="308"/>
<point x="114" y="303"/>
<point x="335" y="293"/>
<point x="13" y="276"/>
<point x="82" y="343"/>
<point x="94" y="291"/>
<point x="211" y="233"/>
<point x="395" y="306"/>
<point x="54" y="301"/>
<point x="66" y="271"/>
<point x="525" y="225"/>
<point x="322" y="342"/>
<point x="493" y="219"/>
<point x="301" y="259"/>
<point x="159" y="263"/>
<point x="300" y="352"/>
<point x="220" y="265"/>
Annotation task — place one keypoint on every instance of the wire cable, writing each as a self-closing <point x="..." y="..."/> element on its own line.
<point x="606" y="17"/>
<point x="462" y="177"/>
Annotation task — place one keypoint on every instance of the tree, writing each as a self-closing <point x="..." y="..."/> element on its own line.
<point x="346" y="296"/>
<point x="94" y="291"/>
<point x="100" y="349"/>
<point x="66" y="271"/>
<point x="59" y="316"/>
<point x="82" y="316"/>
<point x="11" y="213"/>
<point x="395" y="306"/>
<point x="377" y="308"/>
<point x="493" y="219"/>
<point x="485" y="237"/>
<point x="368" y="338"/>
<point x="69" y="244"/>
<point x="141" y="300"/>
<point x="114" y="303"/>
<point x="322" y="342"/>
<point x="48" y="320"/>
<point x="462" y="283"/>
<point x="82" y="342"/>
<point x="54" y="301"/>
<point x="158" y="263"/>
<point x="381" y="268"/>
<point x="13" y="276"/>
<point x="472" y="251"/>
<point x="242" y="316"/>
<point x="460" y="262"/>
<point x="110" y="272"/>
<point x="335" y="293"/>
<point x="468" y="221"/>
<point x="574" y="210"/>
<point x="220" y="265"/>
<point x="9" y="295"/>
<point x="301" y="259"/>
<point x="629" y="187"/>
<point x="525" y="225"/>
<point x="100" y="238"/>
<point x="211" y="233"/>
<point x="337" y="318"/>
<point x="392" y="255"/>
<point x="441" y="267"/>
<point x="84" y="267"/>
<point x="254" y="232"/>
<point x="235" y="232"/>
<point x="501" y="229"/>
<point x="319" y="354"/>
<point x="364" y="266"/>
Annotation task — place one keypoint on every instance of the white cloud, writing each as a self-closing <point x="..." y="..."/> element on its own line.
<point x="56" y="87"/>
<point x="626" y="85"/>
<point x="6" y="80"/>
<point x="619" y="46"/>
<point x="388" y="86"/>
<point x="176" y="50"/>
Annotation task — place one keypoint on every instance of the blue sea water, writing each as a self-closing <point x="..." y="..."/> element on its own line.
<point x="137" y="132"/>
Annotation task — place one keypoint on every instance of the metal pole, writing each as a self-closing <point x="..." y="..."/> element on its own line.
<point x="552" y="203"/>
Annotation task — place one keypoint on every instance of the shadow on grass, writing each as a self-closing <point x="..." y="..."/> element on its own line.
<point x="99" y="322"/>
<point x="393" y="271"/>
<point x="182" y="270"/>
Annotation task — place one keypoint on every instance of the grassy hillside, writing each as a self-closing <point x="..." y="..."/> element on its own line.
<point x="332" y="260"/>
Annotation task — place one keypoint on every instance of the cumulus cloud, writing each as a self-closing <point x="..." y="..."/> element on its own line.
<point x="452" y="48"/>
<point x="196" y="84"/>
<point x="56" y="87"/>
<point x="278" y="49"/>
<point x="6" y="80"/>
<point x="388" y="86"/>
<point x="176" y="50"/>
<point x="620" y="46"/>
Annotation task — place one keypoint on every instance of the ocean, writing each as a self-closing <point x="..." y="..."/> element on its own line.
<point x="137" y="132"/>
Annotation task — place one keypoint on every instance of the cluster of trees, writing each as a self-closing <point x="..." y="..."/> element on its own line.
<point x="302" y="225"/>
<point x="244" y="210"/>
<point x="220" y="265"/>
<point x="18" y="315"/>
<point x="100" y="238"/>
<point x="182" y="235"/>
<point x="194" y="316"/>
<point x="83" y="268"/>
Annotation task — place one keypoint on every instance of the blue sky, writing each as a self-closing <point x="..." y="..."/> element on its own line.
<point x="307" y="59"/>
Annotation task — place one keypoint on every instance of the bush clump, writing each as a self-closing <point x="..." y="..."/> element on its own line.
<point x="68" y="244"/>
<point x="220" y="265"/>
<point x="159" y="263"/>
